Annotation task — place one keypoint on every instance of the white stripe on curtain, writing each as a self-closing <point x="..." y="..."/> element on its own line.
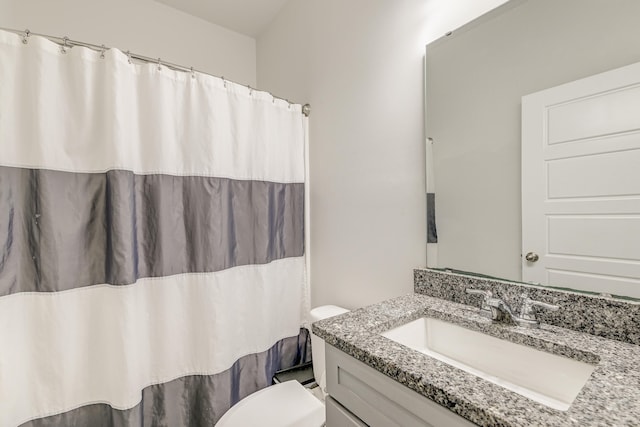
<point x="99" y="114"/>
<point x="104" y="344"/>
<point x="77" y="112"/>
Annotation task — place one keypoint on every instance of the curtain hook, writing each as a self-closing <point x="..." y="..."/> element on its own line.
<point x="25" y="37"/>
<point x="159" y="65"/>
<point x="250" y="90"/>
<point x="103" y="48"/>
<point x="288" y="106"/>
<point x="129" y="57"/>
<point x="63" y="48"/>
<point x="193" y="73"/>
<point x="224" y="82"/>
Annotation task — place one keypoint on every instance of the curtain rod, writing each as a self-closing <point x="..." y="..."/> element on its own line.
<point x="67" y="42"/>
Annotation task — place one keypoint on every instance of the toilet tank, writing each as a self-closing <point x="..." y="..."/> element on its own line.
<point x="317" y="343"/>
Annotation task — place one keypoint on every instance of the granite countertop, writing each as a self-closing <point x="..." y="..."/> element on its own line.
<point x="611" y="397"/>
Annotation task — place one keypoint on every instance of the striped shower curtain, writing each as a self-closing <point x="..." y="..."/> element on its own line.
<point x="152" y="266"/>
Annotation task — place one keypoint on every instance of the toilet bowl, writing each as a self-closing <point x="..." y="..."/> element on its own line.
<point x="287" y="404"/>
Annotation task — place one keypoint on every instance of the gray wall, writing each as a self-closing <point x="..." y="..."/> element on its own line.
<point x="475" y="81"/>
<point x="360" y="65"/>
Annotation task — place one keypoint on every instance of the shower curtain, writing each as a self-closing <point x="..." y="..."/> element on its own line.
<point x="152" y="267"/>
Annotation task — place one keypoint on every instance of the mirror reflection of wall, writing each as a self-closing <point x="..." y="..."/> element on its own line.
<point x="476" y="79"/>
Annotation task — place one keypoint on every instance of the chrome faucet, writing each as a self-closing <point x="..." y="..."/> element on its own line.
<point x="500" y="310"/>
<point x="528" y="315"/>
<point x="497" y="309"/>
<point x="485" y="310"/>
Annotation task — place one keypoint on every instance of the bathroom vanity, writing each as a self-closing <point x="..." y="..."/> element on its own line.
<point x="356" y="388"/>
<point x="376" y="377"/>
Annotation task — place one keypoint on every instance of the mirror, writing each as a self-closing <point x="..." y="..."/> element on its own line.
<point x="475" y="80"/>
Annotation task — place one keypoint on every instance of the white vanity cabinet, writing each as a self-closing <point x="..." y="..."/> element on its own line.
<point x="361" y="396"/>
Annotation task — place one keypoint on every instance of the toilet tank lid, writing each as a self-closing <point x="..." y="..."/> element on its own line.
<point x="326" y="311"/>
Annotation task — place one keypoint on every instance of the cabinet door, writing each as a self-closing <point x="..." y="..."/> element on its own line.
<point x="339" y="416"/>
<point x="378" y="400"/>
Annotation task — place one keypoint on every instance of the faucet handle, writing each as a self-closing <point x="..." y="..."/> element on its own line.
<point x="485" y="310"/>
<point x="487" y="294"/>
<point x="527" y="313"/>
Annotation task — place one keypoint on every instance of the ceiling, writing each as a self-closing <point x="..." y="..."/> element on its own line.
<point x="248" y="17"/>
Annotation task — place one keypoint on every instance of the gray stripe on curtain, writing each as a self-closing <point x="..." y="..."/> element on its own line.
<point x="193" y="401"/>
<point x="432" y="232"/>
<point x="64" y="230"/>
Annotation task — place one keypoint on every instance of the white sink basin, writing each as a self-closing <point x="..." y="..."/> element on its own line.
<point x="552" y="380"/>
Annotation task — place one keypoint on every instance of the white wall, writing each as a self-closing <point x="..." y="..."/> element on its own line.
<point x="142" y="26"/>
<point x="359" y="63"/>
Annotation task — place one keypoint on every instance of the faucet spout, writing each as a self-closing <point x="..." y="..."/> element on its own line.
<point x="500" y="310"/>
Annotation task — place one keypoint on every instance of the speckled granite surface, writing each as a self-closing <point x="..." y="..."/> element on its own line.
<point x="611" y="397"/>
<point x="606" y="317"/>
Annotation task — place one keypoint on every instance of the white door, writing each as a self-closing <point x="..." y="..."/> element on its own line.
<point x="581" y="184"/>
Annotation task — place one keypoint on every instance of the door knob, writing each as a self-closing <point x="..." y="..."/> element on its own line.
<point x="531" y="257"/>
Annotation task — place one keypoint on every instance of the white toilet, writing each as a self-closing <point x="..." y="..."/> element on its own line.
<point x="287" y="404"/>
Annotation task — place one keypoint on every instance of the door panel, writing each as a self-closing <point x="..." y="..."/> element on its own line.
<point x="603" y="114"/>
<point x="594" y="282"/>
<point x="594" y="236"/>
<point x="581" y="183"/>
<point x="595" y="175"/>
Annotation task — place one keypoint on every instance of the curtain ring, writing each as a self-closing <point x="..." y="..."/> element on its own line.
<point x="129" y="57"/>
<point x="224" y="82"/>
<point x="159" y="65"/>
<point x="102" y="51"/>
<point x="63" y="48"/>
<point x="25" y="37"/>
<point x="250" y="90"/>
<point x="193" y="73"/>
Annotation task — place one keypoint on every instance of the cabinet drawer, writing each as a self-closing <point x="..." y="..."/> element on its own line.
<point x="380" y="401"/>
